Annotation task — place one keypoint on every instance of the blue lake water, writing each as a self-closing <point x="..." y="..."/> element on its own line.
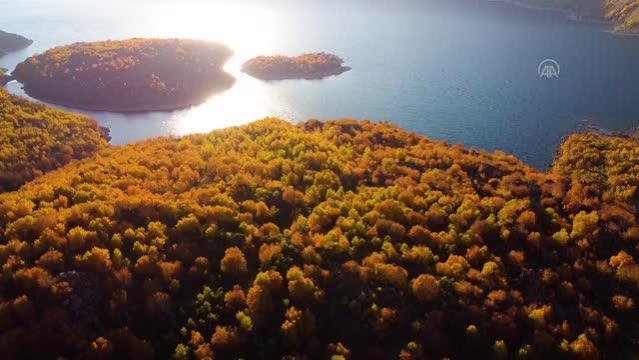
<point x="461" y="71"/>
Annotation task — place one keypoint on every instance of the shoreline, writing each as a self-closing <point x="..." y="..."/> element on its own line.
<point x="124" y="110"/>
<point x="571" y="15"/>
<point x="622" y="33"/>
<point x="314" y="76"/>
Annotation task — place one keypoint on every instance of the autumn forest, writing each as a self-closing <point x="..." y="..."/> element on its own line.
<point x="169" y="198"/>
<point x="342" y="239"/>
<point x="127" y="75"/>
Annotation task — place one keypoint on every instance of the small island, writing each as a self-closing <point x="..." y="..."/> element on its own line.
<point x="133" y="75"/>
<point x="12" y="42"/>
<point x="306" y="66"/>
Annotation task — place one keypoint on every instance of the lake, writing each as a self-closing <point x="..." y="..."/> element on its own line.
<point x="461" y="71"/>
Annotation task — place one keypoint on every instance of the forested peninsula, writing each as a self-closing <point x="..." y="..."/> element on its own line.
<point x="12" y="42"/>
<point x="341" y="239"/>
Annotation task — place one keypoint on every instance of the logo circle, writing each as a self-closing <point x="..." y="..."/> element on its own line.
<point x="548" y="64"/>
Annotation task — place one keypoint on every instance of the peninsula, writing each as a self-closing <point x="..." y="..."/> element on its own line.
<point x="272" y="239"/>
<point x="12" y="42"/>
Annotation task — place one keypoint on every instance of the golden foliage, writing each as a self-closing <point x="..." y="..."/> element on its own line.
<point x="35" y="139"/>
<point x="277" y="240"/>
<point x="305" y="66"/>
<point x="233" y="262"/>
<point x="426" y="287"/>
<point x="127" y="75"/>
<point x="612" y="161"/>
<point x="625" y="14"/>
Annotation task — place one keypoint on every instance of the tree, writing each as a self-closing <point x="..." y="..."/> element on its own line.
<point x="426" y="288"/>
<point x="234" y="262"/>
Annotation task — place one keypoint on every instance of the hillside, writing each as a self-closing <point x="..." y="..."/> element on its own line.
<point x="625" y="13"/>
<point x="127" y="75"/>
<point x="12" y="42"/>
<point x="35" y="139"/>
<point x="610" y="161"/>
<point x="343" y="240"/>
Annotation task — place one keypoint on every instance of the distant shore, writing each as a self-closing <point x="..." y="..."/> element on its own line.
<point x="622" y="33"/>
<point x="10" y="42"/>
<point x="571" y="15"/>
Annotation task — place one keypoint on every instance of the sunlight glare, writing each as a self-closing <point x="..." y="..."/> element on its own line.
<point x="249" y="31"/>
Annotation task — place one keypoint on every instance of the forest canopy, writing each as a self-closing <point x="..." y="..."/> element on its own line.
<point x="35" y="139"/>
<point x="342" y="239"/>
<point x="127" y="75"/>
<point x="625" y="14"/>
<point x="609" y="161"/>
<point x="306" y="66"/>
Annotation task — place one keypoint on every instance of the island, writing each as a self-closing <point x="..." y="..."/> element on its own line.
<point x="133" y="75"/>
<point x="12" y="42"/>
<point x="306" y="66"/>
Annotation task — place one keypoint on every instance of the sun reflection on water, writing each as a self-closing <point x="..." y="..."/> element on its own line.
<point x="248" y="100"/>
<point x="249" y="31"/>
